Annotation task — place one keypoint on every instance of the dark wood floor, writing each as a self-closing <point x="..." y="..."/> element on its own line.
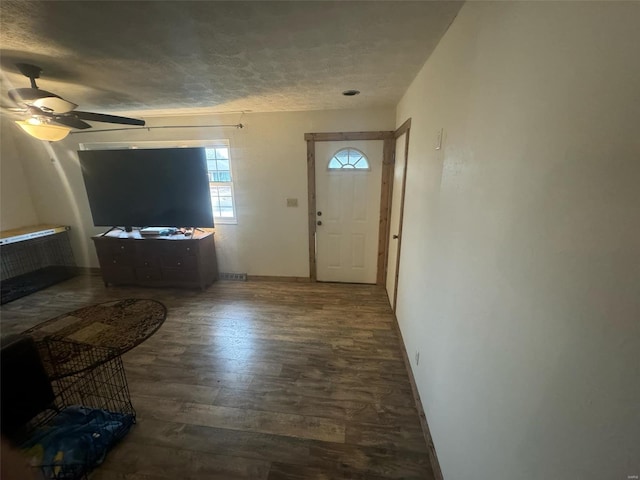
<point x="258" y="380"/>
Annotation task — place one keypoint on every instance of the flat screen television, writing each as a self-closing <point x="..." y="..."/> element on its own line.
<point x="162" y="187"/>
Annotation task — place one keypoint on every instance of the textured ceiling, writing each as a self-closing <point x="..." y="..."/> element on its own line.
<point x="180" y="57"/>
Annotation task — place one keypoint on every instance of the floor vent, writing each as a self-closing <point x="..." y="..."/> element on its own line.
<point x="238" y="277"/>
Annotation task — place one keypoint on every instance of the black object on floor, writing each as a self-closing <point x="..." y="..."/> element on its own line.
<point x="22" y="285"/>
<point x="26" y="390"/>
<point x="67" y="423"/>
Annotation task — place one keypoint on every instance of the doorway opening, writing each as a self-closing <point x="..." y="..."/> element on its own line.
<point x="342" y="249"/>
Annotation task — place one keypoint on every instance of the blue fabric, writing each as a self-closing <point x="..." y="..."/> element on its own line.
<point x="76" y="440"/>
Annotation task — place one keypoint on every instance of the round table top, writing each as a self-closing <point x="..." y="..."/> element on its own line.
<point x="99" y="331"/>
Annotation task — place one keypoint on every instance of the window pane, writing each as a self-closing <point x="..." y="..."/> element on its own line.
<point x="362" y="165"/>
<point x="224" y="191"/>
<point x="211" y="165"/>
<point x="226" y="202"/>
<point x="210" y="153"/>
<point x="222" y="152"/>
<point x="343" y="156"/>
<point x="226" y="212"/>
<point x="223" y="176"/>
<point x="215" y="202"/>
<point x="353" y="159"/>
<point x="223" y="165"/>
<point x="335" y="163"/>
<point x="213" y="190"/>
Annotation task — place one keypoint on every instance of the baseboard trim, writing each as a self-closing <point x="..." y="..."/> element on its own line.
<point x="88" y="271"/>
<point x="270" y="278"/>
<point x="250" y="278"/>
<point x="433" y="457"/>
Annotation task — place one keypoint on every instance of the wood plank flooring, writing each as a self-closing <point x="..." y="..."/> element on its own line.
<point x="258" y="380"/>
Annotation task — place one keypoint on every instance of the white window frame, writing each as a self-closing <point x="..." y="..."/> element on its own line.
<point x="225" y="220"/>
<point x="178" y="144"/>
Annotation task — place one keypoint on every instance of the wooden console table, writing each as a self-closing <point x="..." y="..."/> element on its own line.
<point x="157" y="261"/>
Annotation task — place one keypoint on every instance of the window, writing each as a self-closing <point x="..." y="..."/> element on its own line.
<point x="349" y="158"/>
<point x="221" y="183"/>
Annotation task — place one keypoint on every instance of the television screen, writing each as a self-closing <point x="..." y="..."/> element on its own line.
<point x="165" y="187"/>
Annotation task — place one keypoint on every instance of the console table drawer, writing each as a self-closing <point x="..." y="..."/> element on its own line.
<point x="115" y="247"/>
<point x="179" y="262"/>
<point x="147" y="262"/>
<point x="183" y="249"/>
<point x="149" y="248"/>
<point x="179" y="275"/>
<point x="116" y="260"/>
<point x="145" y="274"/>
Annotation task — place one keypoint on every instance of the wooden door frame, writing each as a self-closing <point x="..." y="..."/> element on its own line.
<point x="405" y="128"/>
<point x="388" y="151"/>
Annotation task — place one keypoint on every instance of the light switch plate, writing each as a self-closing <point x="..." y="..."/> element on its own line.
<point x="292" y="202"/>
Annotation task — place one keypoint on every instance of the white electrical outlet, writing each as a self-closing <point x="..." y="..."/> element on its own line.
<point x="417" y="357"/>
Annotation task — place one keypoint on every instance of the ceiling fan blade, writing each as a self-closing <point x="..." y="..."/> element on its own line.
<point x="40" y="98"/>
<point x="70" y="121"/>
<point x="103" y="117"/>
<point x="21" y="95"/>
<point x="54" y="104"/>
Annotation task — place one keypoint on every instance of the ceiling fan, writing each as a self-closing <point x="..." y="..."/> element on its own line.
<point x="46" y="109"/>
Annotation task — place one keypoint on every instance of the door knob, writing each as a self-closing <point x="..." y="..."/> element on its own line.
<point x="319" y="222"/>
<point x="395" y="237"/>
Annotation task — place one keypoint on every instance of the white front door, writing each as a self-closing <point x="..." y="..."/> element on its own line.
<point x="394" y="220"/>
<point x="348" y="210"/>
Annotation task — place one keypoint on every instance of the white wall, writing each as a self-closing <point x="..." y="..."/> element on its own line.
<point x="269" y="165"/>
<point x="16" y="207"/>
<point x="520" y="269"/>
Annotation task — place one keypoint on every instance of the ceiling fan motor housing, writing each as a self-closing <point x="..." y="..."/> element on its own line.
<point x="29" y="71"/>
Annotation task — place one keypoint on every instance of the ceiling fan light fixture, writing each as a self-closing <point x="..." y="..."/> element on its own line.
<point x="44" y="131"/>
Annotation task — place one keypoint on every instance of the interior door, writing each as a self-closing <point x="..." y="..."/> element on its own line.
<point x="347" y="211"/>
<point x="394" y="220"/>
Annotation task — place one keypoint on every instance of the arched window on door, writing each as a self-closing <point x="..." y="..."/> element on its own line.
<point x="349" y="159"/>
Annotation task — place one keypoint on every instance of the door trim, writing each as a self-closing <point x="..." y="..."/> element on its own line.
<point x="385" y="203"/>
<point x="402" y="128"/>
<point x="405" y="128"/>
<point x="311" y="202"/>
<point x="386" y="191"/>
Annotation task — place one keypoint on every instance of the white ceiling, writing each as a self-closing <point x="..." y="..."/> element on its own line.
<point x="181" y="57"/>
